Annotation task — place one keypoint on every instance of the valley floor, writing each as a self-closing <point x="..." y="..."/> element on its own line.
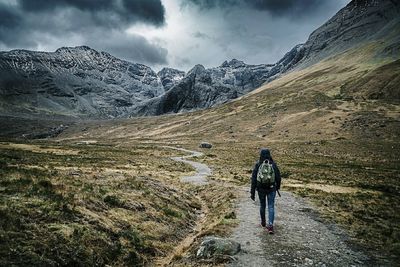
<point x="81" y="201"/>
<point x="107" y="192"/>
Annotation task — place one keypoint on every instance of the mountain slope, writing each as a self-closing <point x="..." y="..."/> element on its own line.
<point x="202" y="88"/>
<point x="73" y="81"/>
<point x="358" y="22"/>
<point x="81" y="82"/>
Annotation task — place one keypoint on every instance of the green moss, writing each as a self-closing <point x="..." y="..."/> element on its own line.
<point x="113" y="201"/>
<point x="171" y="212"/>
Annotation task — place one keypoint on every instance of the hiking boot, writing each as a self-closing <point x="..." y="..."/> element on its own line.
<point x="270" y="229"/>
<point x="263" y="225"/>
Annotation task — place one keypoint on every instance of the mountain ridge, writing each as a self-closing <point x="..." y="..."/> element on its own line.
<point x="82" y="82"/>
<point x="95" y="84"/>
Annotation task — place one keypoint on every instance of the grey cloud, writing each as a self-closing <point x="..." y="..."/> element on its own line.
<point x="8" y="16"/>
<point x="127" y="11"/>
<point x="100" y="24"/>
<point x="131" y="47"/>
<point x="150" y="10"/>
<point x="253" y="31"/>
<point x="290" y="8"/>
<point x="201" y="35"/>
<point x="12" y="27"/>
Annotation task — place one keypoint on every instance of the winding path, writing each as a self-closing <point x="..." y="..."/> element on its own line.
<point x="202" y="170"/>
<point x="199" y="178"/>
<point x="301" y="238"/>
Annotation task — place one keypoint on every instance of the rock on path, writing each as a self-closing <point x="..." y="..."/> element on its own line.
<point x="300" y="238"/>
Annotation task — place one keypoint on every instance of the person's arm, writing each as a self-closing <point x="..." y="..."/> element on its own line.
<point x="253" y="182"/>
<point x="277" y="177"/>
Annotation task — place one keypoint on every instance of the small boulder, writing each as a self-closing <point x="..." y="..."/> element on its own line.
<point x="216" y="247"/>
<point x="205" y="145"/>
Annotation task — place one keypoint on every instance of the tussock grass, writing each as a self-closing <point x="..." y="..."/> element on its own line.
<point x="103" y="205"/>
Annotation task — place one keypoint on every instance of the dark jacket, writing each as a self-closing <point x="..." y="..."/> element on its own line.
<point x="265" y="154"/>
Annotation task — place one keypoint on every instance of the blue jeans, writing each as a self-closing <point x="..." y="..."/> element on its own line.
<point x="271" y="206"/>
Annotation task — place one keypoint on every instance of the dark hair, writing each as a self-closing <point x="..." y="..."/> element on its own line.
<point x="265" y="154"/>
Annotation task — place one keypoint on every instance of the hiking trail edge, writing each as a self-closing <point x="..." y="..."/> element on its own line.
<point x="199" y="178"/>
<point x="301" y="238"/>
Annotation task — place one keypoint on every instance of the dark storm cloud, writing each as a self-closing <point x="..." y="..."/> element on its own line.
<point x="12" y="26"/>
<point x="255" y="31"/>
<point x="8" y="16"/>
<point x="293" y="8"/>
<point x="132" y="47"/>
<point x="101" y="24"/>
<point x="128" y="11"/>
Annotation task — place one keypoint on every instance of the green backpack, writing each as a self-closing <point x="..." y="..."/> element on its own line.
<point x="266" y="174"/>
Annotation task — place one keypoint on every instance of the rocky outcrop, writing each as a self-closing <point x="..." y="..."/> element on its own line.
<point x="289" y="60"/>
<point x="170" y="77"/>
<point x="202" y="88"/>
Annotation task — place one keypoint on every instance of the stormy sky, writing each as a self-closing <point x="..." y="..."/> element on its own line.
<point x="158" y="33"/>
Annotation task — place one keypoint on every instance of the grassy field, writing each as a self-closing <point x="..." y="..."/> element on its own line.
<point x="109" y="188"/>
<point x="93" y="204"/>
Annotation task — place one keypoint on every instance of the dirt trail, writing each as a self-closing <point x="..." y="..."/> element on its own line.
<point x="202" y="170"/>
<point x="199" y="178"/>
<point x="300" y="239"/>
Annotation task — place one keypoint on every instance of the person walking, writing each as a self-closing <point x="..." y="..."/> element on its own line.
<point x="266" y="179"/>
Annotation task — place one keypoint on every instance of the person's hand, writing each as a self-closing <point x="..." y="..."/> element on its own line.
<point x="252" y="197"/>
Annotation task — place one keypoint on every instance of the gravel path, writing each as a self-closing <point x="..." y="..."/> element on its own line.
<point x="300" y="239"/>
<point x="202" y="170"/>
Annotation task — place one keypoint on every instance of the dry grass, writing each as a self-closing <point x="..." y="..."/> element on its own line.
<point x="119" y="204"/>
<point x="319" y="132"/>
<point x="334" y="147"/>
<point x="98" y="206"/>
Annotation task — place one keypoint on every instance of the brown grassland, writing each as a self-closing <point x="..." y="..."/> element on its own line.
<point x="106" y="192"/>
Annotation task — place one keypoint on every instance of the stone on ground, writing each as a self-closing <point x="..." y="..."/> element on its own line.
<point x="215" y="246"/>
<point x="205" y="145"/>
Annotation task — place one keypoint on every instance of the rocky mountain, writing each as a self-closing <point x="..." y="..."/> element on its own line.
<point x="359" y="21"/>
<point x="75" y="81"/>
<point x="82" y="82"/>
<point x="202" y="88"/>
<point x="170" y="77"/>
